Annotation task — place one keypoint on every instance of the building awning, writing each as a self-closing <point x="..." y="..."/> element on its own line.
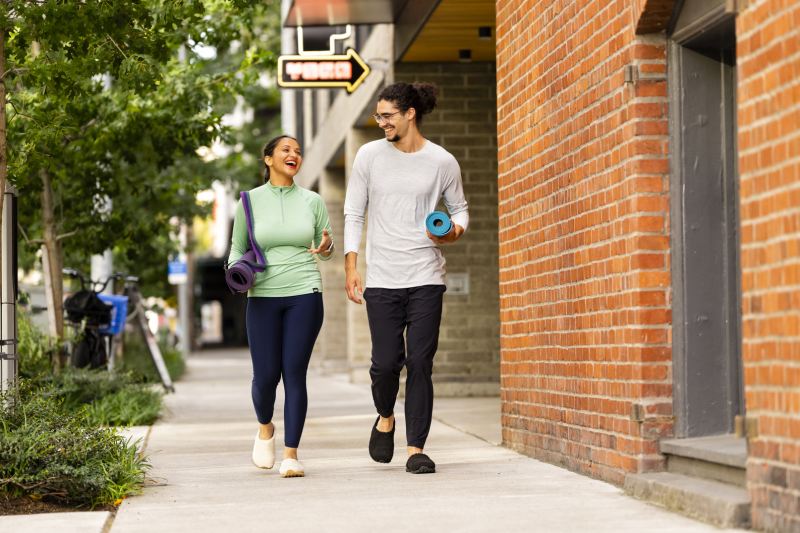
<point x="340" y="12"/>
<point x="424" y="30"/>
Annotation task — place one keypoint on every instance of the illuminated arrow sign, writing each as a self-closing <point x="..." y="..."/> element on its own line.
<point x="323" y="71"/>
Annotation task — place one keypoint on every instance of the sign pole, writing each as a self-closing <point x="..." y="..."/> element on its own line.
<point x="9" y="361"/>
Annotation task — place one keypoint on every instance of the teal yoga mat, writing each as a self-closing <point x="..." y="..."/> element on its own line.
<point x="438" y="223"/>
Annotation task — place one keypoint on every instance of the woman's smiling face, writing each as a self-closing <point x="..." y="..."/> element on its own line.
<point x="286" y="158"/>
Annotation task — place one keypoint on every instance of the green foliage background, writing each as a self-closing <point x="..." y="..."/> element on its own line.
<point x="113" y="100"/>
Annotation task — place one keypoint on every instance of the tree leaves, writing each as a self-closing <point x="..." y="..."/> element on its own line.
<point x="114" y="99"/>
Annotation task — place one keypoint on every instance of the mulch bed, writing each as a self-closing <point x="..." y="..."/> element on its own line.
<point x="25" y="505"/>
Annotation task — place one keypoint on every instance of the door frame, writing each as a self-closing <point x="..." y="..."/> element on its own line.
<point x="731" y="313"/>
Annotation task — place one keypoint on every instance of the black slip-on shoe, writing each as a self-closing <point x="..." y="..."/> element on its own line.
<point x="381" y="444"/>
<point x="419" y="463"/>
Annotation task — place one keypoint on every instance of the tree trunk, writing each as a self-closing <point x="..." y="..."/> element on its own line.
<point x="51" y="316"/>
<point x="52" y="247"/>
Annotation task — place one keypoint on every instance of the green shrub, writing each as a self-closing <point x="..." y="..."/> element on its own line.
<point x="113" y="399"/>
<point x="35" y="349"/>
<point x="176" y="365"/>
<point x="55" y="442"/>
<point x="137" y="360"/>
<point x="61" y="455"/>
<point x="75" y="387"/>
<point x="136" y="405"/>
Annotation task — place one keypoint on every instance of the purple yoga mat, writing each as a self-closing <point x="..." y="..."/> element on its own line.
<point x="241" y="275"/>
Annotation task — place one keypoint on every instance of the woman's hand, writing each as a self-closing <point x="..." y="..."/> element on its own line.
<point x="324" y="244"/>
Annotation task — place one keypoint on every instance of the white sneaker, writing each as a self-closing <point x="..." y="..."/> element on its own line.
<point x="264" y="452"/>
<point x="292" y="468"/>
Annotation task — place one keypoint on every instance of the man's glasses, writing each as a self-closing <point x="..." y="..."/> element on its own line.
<point x="379" y="118"/>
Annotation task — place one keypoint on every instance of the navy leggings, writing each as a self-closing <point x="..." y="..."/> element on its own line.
<point x="281" y="332"/>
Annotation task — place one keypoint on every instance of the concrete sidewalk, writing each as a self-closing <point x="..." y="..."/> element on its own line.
<point x="203" y="481"/>
<point x="201" y="457"/>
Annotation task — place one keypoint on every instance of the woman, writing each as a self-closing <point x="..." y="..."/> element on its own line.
<point x="284" y="306"/>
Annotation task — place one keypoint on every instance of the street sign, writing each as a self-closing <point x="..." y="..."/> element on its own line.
<point x="322" y="71"/>
<point x="177" y="272"/>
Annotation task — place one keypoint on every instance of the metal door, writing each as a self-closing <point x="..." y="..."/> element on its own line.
<point x="706" y="280"/>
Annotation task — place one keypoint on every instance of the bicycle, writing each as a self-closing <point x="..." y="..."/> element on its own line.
<point x="103" y="318"/>
<point x="90" y="317"/>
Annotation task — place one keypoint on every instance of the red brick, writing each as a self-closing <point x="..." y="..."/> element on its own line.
<point x="583" y="162"/>
<point x="768" y="33"/>
<point x="584" y="235"/>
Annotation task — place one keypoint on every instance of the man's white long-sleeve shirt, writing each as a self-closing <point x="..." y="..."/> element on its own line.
<point x="399" y="190"/>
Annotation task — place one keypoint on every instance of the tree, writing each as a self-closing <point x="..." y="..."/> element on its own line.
<point x="110" y="101"/>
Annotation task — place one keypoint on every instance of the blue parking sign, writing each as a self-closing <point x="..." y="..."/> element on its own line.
<point x="177" y="272"/>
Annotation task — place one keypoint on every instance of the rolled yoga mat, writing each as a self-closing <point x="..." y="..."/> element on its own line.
<point x="438" y="223"/>
<point x="241" y="275"/>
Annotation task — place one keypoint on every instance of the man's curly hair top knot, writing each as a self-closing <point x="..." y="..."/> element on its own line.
<point x="419" y="95"/>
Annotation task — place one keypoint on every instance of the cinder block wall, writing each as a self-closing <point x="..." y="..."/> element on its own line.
<point x="464" y="123"/>
<point x="359" y="343"/>
<point x="330" y="351"/>
<point x="584" y="236"/>
<point x="768" y="48"/>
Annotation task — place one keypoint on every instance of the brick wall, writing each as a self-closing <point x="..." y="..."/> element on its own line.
<point x="653" y="16"/>
<point x="768" y="47"/>
<point x="464" y="123"/>
<point x="584" y="241"/>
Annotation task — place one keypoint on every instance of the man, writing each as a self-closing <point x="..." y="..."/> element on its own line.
<point x="402" y="178"/>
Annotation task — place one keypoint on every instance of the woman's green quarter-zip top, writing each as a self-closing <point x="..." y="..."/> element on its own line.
<point x="286" y="221"/>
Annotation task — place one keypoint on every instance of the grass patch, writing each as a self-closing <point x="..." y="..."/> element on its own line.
<point x="55" y="454"/>
<point x="134" y="406"/>
<point x="57" y="446"/>
<point x="36" y="349"/>
<point x="116" y="399"/>
<point x="138" y="362"/>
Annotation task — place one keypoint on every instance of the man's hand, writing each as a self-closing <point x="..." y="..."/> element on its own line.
<point x="452" y="236"/>
<point x="352" y="282"/>
<point x="353" y="286"/>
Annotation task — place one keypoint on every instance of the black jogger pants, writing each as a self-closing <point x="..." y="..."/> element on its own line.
<point x="417" y="312"/>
